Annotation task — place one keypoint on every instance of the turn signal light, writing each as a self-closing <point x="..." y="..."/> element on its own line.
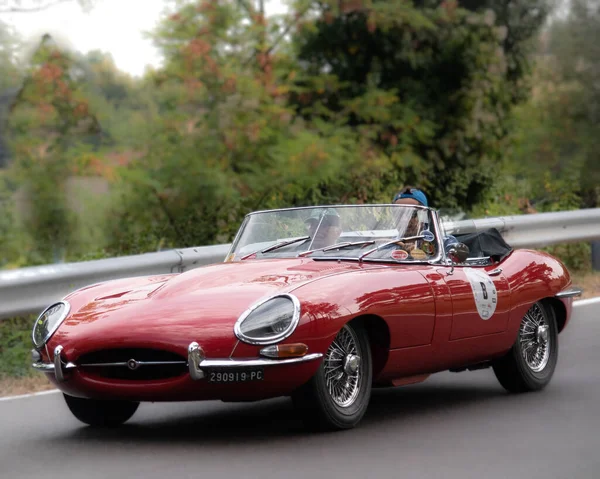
<point x="295" y="350"/>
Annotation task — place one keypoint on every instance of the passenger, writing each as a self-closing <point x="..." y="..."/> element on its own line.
<point x="324" y="228"/>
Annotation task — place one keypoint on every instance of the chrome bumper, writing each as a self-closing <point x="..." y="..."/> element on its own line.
<point x="197" y="363"/>
<point x="572" y="292"/>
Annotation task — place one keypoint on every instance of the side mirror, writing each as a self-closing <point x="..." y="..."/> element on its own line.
<point x="458" y="252"/>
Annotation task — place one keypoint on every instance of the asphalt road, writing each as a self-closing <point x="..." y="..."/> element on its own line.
<point x="452" y="426"/>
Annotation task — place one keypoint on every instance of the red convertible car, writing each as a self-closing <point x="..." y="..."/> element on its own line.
<point x="321" y="304"/>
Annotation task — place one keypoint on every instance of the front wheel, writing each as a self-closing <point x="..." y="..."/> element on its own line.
<point x="531" y="362"/>
<point x="338" y="394"/>
<point x="101" y="413"/>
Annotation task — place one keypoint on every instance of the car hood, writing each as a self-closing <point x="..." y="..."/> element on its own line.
<point x="201" y="305"/>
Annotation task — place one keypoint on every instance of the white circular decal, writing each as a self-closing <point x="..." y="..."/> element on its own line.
<point x="484" y="291"/>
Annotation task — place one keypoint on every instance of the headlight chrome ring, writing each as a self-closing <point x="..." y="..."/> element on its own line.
<point x="43" y="319"/>
<point x="273" y="338"/>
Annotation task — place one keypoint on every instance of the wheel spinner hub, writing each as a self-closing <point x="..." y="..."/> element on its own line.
<point x="351" y="364"/>
<point x="542" y="334"/>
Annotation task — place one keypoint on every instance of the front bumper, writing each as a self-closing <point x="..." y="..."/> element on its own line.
<point x="572" y="292"/>
<point x="197" y="363"/>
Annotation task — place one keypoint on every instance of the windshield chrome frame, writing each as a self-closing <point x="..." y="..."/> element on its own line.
<point x="439" y="258"/>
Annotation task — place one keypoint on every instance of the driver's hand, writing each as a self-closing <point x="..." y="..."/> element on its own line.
<point x="406" y="246"/>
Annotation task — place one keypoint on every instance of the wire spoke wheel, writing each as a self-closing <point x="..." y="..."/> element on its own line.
<point x="337" y="396"/>
<point x="530" y="363"/>
<point x="342" y="368"/>
<point x="534" y="339"/>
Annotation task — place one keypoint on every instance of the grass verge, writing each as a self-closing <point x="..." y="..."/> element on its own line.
<point x="590" y="282"/>
<point x="24" y="385"/>
<point x="16" y="374"/>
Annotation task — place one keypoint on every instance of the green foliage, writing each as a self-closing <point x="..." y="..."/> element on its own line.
<point x="338" y="102"/>
<point x="15" y="347"/>
<point x="10" y="233"/>
<point x="576" y="256"/>
<point x="574" y="51"/>
<point x="9" y="68"/>
<point x="50" y="119"/>
<point x="519" y="22"/>
<point x="426" y="81"/>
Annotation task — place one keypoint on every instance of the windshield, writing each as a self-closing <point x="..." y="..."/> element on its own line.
<point x="334" y="232"/>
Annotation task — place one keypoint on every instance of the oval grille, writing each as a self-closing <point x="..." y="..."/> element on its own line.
<point x="133" y="364"/>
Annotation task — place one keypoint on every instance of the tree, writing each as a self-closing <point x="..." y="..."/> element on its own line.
<point x="10" y="46"/>
<point x="10" y="76"/>
<point x="573" y="43"/>
<point x="520" y="21"/>
<point x="225" y="140"/>
<point x="49" y="122"/>
<point x="557" y="147"/>
<point x="428" y="82"/>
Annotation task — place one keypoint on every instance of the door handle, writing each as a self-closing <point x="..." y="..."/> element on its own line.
<point x="495" y="272"/>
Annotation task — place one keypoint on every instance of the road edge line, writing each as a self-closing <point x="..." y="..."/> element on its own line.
<point x="22" y="396"/>
<point x="586" y="302"/>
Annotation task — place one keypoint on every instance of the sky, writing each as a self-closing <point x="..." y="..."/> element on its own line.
<point x="114" y="26"/>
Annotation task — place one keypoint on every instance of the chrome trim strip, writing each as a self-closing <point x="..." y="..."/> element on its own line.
<point x="238" y="235"/>
<point x="299" y="208"/>
<point x="58" y="372"/>
<point x="440" y="257"/>
<point x="139" y="363"/>
<point x="271" y="339"/>
<point x="43" y="367"/>
<point x="234" y="348"/>
<point x="237" y="363"/>
<point x="572" y="292"/>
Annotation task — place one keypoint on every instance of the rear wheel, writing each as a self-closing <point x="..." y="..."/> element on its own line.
<point x="531" y="362"/>
<point x="338" y="395"/>
<point x="101" y="413"/>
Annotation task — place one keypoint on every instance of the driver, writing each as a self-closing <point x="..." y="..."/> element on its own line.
<point x="324" y="228"/>
<point x="414" y="196"/>
<point x="411" y="196"/>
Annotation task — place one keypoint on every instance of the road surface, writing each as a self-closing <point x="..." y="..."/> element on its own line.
<point x="452" y="426"/>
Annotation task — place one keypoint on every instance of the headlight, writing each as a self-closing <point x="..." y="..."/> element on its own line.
<point x="269" y="321"/>
<point x="48" y="322"/>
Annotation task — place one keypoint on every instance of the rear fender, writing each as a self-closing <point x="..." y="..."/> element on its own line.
<point x="535" y="276"/>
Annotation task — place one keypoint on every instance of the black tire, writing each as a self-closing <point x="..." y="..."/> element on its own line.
<point x="317" y="406"/>
<point x="513" y="371"/>
<point x="101" y="413"/>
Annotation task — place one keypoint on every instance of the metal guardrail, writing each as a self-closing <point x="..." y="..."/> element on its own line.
<point x="537" y="230"/>
<point x="29" y="290"/>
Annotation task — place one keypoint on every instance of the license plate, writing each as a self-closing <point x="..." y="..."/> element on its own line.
<point x="236" y="376"/>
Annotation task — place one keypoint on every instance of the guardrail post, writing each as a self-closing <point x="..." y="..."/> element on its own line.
<point x="596" y="255"/>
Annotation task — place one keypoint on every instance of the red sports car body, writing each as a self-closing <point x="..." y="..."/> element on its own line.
<point x="321" y="324"/>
